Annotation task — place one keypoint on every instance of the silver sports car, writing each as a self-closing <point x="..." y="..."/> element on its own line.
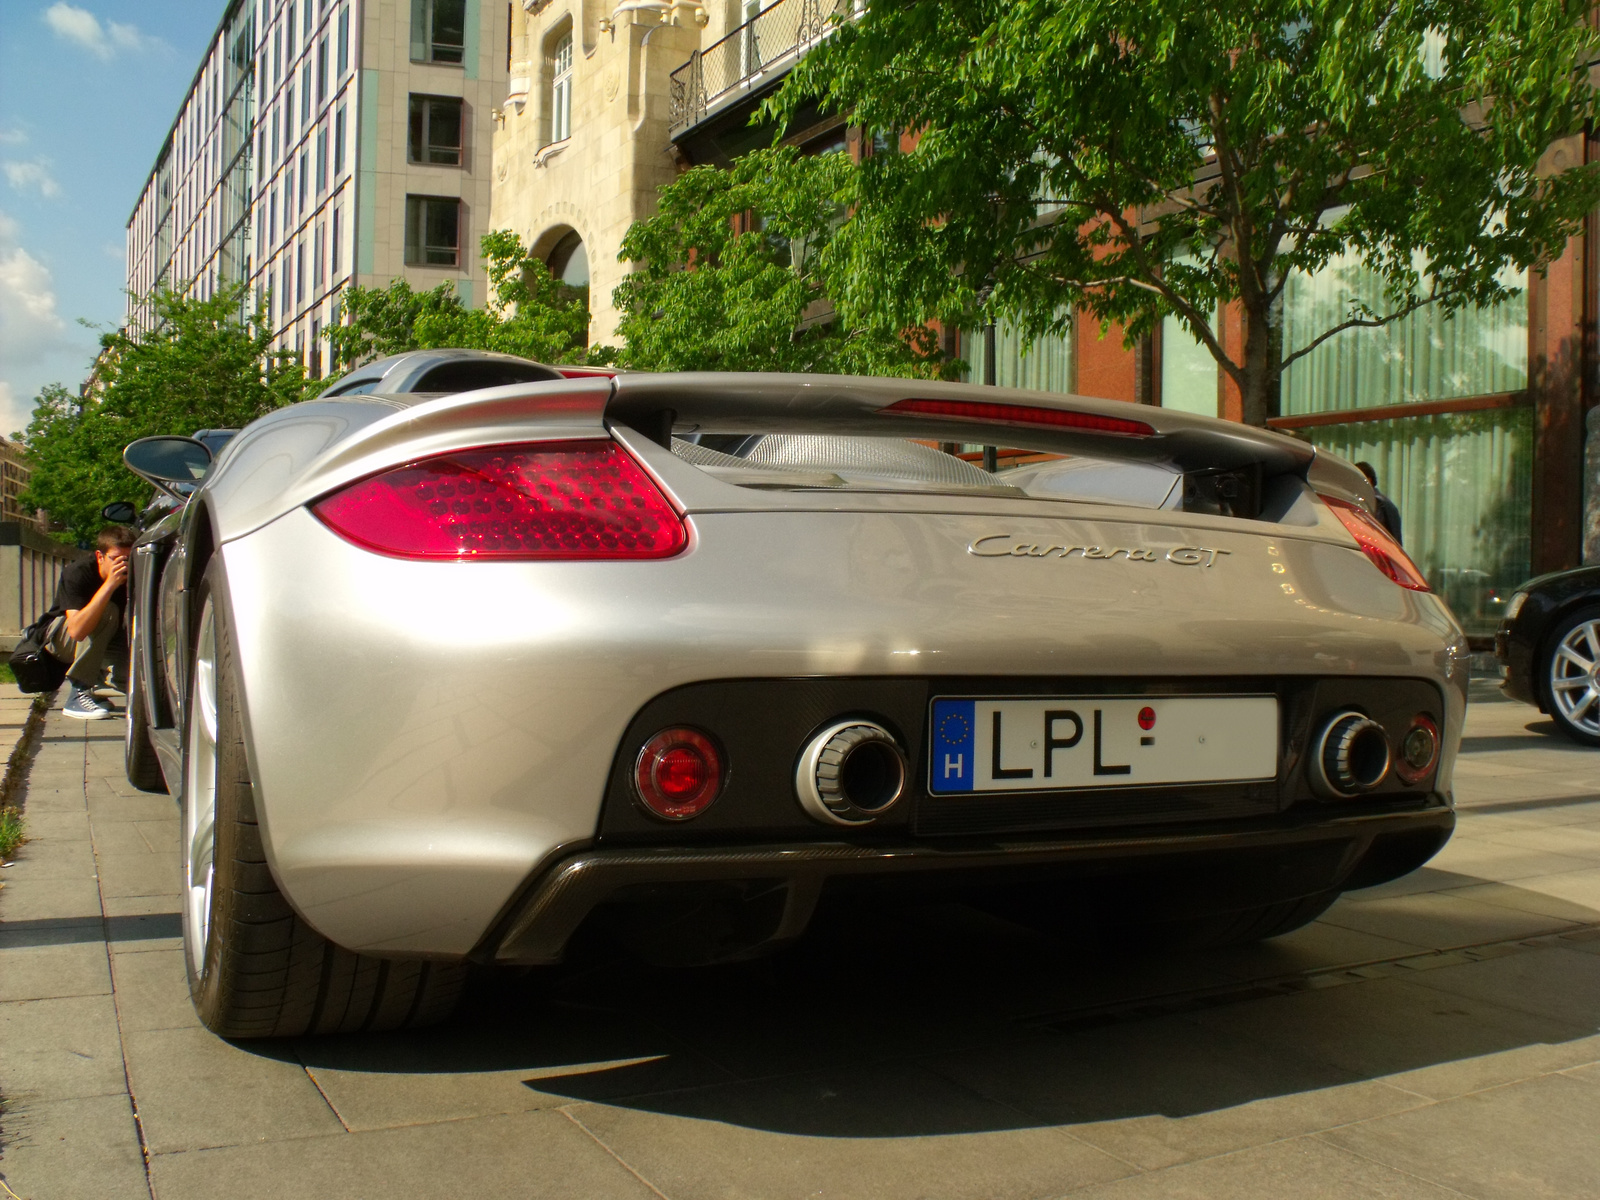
<point x="441" y="677"/>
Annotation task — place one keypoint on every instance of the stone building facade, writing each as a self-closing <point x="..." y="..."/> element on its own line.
<point x="583" y="140"/>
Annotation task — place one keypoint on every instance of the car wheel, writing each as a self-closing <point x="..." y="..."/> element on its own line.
<point x="1571" y="676"/>
<point x="255" y="968"/>
<point x="139" y="761"/>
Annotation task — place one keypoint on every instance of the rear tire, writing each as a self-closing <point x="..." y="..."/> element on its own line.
<point x="1568" y="680"/>
<point x="256" y="969"/>
<point x="139" y="761"/>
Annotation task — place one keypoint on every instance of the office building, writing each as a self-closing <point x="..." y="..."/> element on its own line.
<point x="323" y="143"/>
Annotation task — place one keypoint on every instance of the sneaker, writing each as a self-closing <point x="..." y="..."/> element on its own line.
<point x="80" y="703"/>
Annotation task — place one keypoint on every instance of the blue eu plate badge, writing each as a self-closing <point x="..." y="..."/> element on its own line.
<point x="952" y="767"/>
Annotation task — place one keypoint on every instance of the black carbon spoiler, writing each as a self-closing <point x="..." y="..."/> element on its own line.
<point x="657" y="405"/>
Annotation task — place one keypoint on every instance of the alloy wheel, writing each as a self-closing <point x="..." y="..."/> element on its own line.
<point x="1575" y="677"/>
<point x="200" y="794"/>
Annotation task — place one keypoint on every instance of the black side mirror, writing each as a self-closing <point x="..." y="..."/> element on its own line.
<point x="176" y="465"/>
<point x="119" y="512"/>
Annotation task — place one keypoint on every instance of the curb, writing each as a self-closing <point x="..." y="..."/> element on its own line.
<point x="22" y="753"/>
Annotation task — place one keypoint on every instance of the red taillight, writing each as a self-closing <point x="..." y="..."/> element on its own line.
<point x="1377" y="545"/>
<point x="678" y="774"/>
<point x="540" y="500"/>
<point x="1020" y="414"/>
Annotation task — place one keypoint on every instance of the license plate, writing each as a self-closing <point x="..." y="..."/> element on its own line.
<point x="1060" y="743"/>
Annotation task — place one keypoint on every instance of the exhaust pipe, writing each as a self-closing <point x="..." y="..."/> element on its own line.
<point x="1349" y="756"/>
<point x="850" y="773"/>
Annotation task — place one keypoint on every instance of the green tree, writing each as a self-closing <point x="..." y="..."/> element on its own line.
<point x="534" y="314"/>
<point x="735" y="274"/>
<point x="201" y="366"/>
<point x="1138" y="158"/>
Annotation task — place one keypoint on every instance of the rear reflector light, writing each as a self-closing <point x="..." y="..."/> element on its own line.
<point x="541" y="500"/>
<point x="678" y="774"/>
<point x="1019" y="414"/>
<point x="1377" y="545"/>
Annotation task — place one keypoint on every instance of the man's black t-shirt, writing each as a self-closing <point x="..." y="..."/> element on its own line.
<point x="80" y="582"/>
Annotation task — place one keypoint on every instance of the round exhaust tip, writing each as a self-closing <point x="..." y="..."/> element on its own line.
<point x="851" y="773"/>
<point x="1350" y="756"/>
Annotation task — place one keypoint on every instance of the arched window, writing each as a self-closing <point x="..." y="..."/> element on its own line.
<point x="561" y="91"/>
<point x="569" y="261"/>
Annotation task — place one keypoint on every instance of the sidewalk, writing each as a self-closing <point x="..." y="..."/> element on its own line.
<point x="1436" y="1037"/>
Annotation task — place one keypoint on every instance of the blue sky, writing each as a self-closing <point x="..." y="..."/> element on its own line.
<point x="88" y="89"/>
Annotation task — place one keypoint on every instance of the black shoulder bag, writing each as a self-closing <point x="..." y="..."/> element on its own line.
<point x="36" y="669"/>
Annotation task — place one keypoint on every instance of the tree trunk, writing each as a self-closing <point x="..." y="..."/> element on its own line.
<point x="1262" y="369"/>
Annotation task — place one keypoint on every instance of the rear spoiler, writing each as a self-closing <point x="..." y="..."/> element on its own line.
<point x="657" y="405"/>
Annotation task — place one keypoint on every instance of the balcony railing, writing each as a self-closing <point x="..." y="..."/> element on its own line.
<point x="762" y="48"/>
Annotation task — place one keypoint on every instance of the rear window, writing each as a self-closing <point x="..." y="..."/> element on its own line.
<point x="469" y="376"/>
<point x="787" y="461"/>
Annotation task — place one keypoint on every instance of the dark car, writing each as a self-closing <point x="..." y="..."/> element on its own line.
<point x="1549" y="642"/>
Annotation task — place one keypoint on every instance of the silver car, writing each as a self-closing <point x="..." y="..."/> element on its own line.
<point x="440" y="677"/>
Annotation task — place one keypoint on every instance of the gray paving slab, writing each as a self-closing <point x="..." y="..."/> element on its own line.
<point x="43" y="857"/>
<point x="1385" y="1026"/>
<point x="61" y="1048"/>
<point x="152" y="990"/>
<point x="86" y="1148"/>
<point x="1533" y="1140"/>
<point x="138" y="873"/>
<point x="1300" y="1169"/>
<point x="519" y="1156"/>
<point x="1549" y="982"/>
<point x="1439" y="920"/>
<point x="195" y="1090"/>
<point x="467" y="1070"/>
<point x="48" y="971"/>
<point x="882" y="1134"/>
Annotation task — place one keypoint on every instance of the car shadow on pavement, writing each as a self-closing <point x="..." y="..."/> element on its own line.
<point x="935" y="1018"/>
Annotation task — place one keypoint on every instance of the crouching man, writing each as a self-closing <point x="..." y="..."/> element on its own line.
<point x="93" y="596"/>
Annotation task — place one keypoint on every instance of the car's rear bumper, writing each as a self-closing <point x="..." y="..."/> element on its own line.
<point x="778" y="885"/>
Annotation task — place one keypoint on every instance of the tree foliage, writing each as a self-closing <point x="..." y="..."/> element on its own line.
<point x="534" y="314"/>
<point x="1140" y="158"/>
<point x="736" y="273"/>
<point x="200" y="367"/>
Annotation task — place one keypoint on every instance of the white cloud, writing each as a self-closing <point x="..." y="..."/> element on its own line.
<point x="13" y="137"/>
<point x="31" y="330"/>
<point x="36" y="174"/>
<point x="103" y="41"/>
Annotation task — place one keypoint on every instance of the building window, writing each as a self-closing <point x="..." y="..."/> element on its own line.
<point x="336" y="268"/>
<point x="433" y="231"/>
<point x="315" y="362"/>
<point x="316" y="257"/>
<point x="272" y="216"/>
<point x="344" y="41"/>
<point x="338" y="140"/>
<point x="322" y="70"/>
<point x="299" y="273"/>
<point x="272" y="297"/>
<point x="322" y="160"/>
<point x="1188" y="371"/>
<point x="1044" y="364"/>
<point x="305" y="94"/>
<point x="309" y="22"/>
<point x="561" y="91"/>
<point x="305" y="181"/>
<point x="435" y="131"/>
<point x="438" y="30"/>
<point x="287" y="110"/>
<point x="277" y="56"/>
<point x="288" y="33"/>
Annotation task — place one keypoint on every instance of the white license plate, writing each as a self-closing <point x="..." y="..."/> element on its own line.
<point x="1065" y="742"/>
